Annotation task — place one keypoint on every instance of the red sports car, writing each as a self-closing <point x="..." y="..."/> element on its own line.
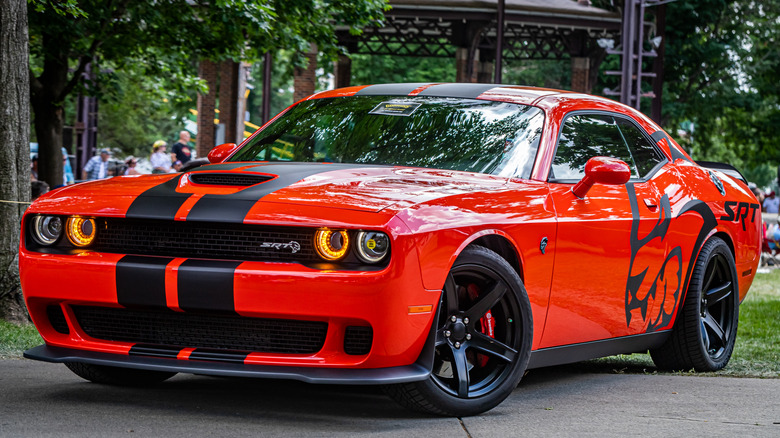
<point x="437" y="239"/>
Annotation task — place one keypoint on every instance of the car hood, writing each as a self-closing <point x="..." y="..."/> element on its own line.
<point x="224" y="191"/>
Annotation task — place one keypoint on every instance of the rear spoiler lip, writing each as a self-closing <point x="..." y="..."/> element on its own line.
<point x="728" y="169"/>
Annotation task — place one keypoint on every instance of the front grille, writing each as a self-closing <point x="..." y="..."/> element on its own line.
<point x="358" y="340"/>
<point x="228" y="179"/>
<point x="205" y="240"/>
<point x="192" y="330"/>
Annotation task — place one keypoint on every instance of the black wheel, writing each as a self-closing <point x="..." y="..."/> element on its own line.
<point x="117" y="376"/>
<point x="704" y="334"/>
<point x="483" y="339"/>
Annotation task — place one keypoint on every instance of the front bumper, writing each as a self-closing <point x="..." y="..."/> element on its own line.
<point x="388" y="301"/>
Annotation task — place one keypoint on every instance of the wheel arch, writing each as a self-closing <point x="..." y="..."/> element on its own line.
<point x="498" y="242"/>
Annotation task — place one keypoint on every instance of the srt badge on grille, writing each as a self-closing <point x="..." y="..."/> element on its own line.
<point x="292" y="245"/>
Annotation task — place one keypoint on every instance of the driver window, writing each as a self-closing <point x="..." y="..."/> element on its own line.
<point x="584" y="136"/>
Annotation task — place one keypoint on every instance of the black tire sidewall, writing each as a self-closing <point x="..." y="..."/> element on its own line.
<point x="450" y="405"/>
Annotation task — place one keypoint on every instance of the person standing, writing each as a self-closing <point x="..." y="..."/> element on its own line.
<point x="161" y="161"/>
<point x="182" y="148"/>
<point x="771" y="203"/>
<point x="131" y="162"/>
<point x="97" y="166"/>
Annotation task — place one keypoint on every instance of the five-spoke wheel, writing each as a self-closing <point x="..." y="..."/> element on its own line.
<point x="483" y="339"/>
<point x="704" y="334"/>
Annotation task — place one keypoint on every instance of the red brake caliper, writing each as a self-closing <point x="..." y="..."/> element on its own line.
<point x="487" y="324"/>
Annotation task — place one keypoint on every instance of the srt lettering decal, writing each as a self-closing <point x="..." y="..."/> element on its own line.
<point x="743" y="209"/>
<point x="668" y="273"/>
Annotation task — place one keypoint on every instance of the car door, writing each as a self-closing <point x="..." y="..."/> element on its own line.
<point x="598" y="290"/>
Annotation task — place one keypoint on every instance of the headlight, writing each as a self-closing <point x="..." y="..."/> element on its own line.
<point x="80" y="230"/>
<point x="331" y="245"/>
<point x="46" y="229"/>
<point x="372" y="246"/>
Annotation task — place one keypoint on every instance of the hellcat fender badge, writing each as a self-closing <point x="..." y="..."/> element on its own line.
<point x="543" y="245"/>
<point x="292" y="245"/>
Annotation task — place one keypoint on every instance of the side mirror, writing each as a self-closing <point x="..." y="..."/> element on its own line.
<point x="219" y="153"/>
<point x="602" y="170"/>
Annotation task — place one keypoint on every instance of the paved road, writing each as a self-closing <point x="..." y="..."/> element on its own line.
<point x="39" y="399"/>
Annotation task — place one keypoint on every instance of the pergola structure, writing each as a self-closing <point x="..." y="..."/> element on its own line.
<point x="479" y="35"/>
<point x="468" y="31"/>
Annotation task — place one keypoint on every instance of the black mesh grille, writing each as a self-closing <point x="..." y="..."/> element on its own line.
<point x="207" y="240"/>
<point x="228" y="179"/>
<point x="186" y="330"/>
<point x="57" y="319"/>
<point x="358" y="340"/>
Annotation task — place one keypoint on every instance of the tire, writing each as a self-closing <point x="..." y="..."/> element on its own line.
<point x="117" y="376"/>
<point x="704" y="334"/>
<point x="477" y="363"/>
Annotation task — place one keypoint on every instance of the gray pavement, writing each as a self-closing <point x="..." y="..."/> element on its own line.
<point x="40" y="399"/>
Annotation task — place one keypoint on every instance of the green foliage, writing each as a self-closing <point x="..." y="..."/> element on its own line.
<point x="138" y="109"/>
<point x="722" y="67"/>
<point x="383" y="69"/>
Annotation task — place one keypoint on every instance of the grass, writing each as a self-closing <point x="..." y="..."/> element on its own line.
<point x="14" y="339"/>
<point x="757" y="353"/>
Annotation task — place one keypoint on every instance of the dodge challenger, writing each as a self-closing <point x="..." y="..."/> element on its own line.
<point x="436" y="239"/>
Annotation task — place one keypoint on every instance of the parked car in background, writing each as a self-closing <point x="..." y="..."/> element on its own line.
<point x="437" y="239"/>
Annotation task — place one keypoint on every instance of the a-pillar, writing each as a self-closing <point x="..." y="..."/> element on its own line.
<point x="305" y="79"/>
<point x="228" y="99"/>
<point x="207" y="71"/>
<point x="580" y="74"/>
<point x="462" y="63"/>
<point x="342" y="70"/>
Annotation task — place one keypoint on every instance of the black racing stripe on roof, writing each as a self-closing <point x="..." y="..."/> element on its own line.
<point x="465" y="91"/>
<point x="390" y="89"/>
<point x="234" y="208"/>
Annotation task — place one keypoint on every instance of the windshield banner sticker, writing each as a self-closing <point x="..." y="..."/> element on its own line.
<point x="395" y="108"/>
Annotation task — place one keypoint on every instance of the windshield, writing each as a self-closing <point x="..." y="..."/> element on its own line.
<point x="442" y="133"/>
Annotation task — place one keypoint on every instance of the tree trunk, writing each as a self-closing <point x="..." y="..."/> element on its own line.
<point x="14" y="151"/>
<point x="47" y="95"/>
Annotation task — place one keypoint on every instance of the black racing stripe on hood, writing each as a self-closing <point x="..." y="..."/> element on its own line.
<point x="234" y="208"/>
<point x="159" y="202"/>
<point x="390" y="89"/>
<point x="465" y="91"/>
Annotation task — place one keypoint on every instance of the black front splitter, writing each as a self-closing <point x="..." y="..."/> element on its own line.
<point x="342" y="376"/>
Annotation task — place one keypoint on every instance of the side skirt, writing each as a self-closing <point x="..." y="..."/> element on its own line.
<point x="546" y="357"/>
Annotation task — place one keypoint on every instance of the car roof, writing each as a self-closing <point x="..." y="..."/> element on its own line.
<point x="499" y="92"/>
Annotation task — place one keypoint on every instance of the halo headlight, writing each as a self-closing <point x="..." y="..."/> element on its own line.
<point x="372" y="246"/>
<point x="46" y="230"/>
<point x="80" y="230"/>
<point x="331" y="245"/>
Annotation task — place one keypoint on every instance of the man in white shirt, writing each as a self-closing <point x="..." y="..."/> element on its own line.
<point x="97" y="166"/>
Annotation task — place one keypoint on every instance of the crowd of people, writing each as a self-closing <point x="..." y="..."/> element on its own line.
<point x="98" y="167"/>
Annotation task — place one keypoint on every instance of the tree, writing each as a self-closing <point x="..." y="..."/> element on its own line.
<point x="14" y="150"/>
<point x="70" y="37"/>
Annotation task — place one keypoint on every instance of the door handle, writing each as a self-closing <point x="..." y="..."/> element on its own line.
<point x="651" y="204"/>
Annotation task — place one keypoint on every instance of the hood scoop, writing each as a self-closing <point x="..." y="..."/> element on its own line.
<point x="228" y="179"/>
